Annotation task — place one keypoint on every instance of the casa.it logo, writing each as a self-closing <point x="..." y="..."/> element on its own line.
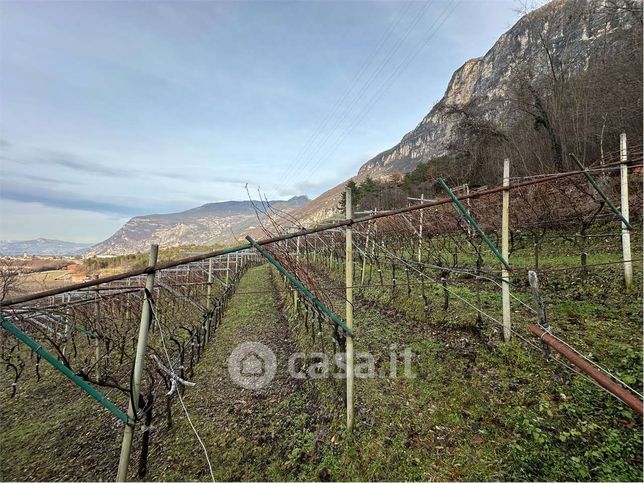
<point x="252" y="365"/>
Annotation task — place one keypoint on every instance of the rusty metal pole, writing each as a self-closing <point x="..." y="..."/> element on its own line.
<point x="632" y="401"/>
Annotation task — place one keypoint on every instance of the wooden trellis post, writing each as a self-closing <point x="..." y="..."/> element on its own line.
<point x="626" y="234"/>
<point x="137" y="373"/>
<point x="349" y="307"/>
<point x="505" y="252"/>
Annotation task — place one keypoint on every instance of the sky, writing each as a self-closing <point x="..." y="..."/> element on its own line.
<point x="113" y="109"/>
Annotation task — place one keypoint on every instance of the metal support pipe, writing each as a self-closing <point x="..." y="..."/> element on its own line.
<point x="632" y="401"/>
<point x="67" y="372"/>
<point x="299" y="285"/>
<point x="137" y="373"/>
<point x="601" y="193"/>
<point x="470" y="219"/>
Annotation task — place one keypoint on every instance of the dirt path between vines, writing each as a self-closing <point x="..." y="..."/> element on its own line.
<point x="248" y="433"/>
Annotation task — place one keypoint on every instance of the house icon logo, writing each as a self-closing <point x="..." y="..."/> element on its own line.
<point x="252" y="365"/>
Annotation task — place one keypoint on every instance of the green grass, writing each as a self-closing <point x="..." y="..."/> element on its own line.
<point x="477" y="408"/>
<point x="530" y="417"/>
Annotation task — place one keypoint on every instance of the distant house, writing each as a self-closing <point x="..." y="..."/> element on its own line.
<point x="79" y="277"/>
<point x="72" y="266"/>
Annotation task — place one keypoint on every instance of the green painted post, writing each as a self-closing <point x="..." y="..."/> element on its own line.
<point x="299" y="286"/>
<point x="470" y="219"/>
<point x="79" y="381"/>
<point x="594" y="184"/>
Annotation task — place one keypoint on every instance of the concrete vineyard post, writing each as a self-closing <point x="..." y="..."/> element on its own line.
<point x="209" y="298"/>
<point x="364" y="260"/>
<point x="66" y="298"/>
<point x="533" y="279"/>
<point x="505" y="252"/>
<point x="97" y="342"/>
<point x="349" y="307"/>
<point x="420" y="228"/>
<point x="227" y="267"/>
<point x="626" y="234"/>
<point x="137" y="373"/>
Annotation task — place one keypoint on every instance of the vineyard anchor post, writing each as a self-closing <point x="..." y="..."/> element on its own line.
<point x="505" y="252"/>
<point x="626" y="234"/>
<point x="420" y="229"/>
<point x="97" y="342"/>
<point x="137" y="373"/>
<point x="209" y="299"/>
<point x="364" y="259"/>
<point x="349" y="307"/>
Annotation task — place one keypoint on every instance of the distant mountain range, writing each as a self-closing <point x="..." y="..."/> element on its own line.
<point x="41" y="247"/>
<point x="205" y="225"/>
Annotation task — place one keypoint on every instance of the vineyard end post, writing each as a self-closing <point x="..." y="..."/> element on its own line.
<point x="364" y="259"/>
<point x="209" y="299"/>
<point x="137" y="373"/>
<point x="505" y="237"/>
<point x="533" y="279"/>
<point x="227" y="268"/>
<point x="420" y="229"/>
<point x="349" y="307"/>
<point x="97" y="342"/>
<point x="626" y="234"/>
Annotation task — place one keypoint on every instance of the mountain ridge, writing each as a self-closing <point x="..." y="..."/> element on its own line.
<point x="208" y="224"/>
<point x="42" y="247"/>
<point x="576" y="32"/>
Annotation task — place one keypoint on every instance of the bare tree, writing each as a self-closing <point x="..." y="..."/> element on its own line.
<point x="10" y="271"/>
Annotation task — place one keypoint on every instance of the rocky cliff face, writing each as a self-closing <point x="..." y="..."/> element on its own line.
<point x="566" y="34"/>
<point x="205" y="225"/>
